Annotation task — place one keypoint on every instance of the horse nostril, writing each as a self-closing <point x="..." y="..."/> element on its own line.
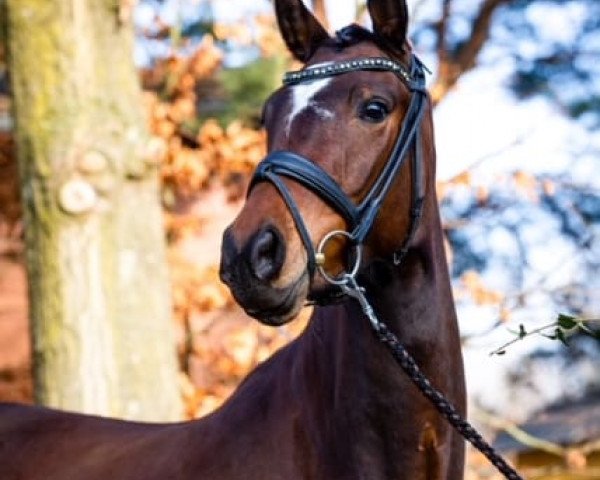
<point x="267" y="254"/>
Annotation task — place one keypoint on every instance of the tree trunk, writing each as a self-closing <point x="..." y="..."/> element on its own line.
<point x="98" y="284"/>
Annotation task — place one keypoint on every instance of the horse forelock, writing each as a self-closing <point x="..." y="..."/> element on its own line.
<point x="351" y="35"/>
<point x="354" y="34"/>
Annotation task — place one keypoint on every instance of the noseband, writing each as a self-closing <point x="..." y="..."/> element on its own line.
<point x="359" y="217"/>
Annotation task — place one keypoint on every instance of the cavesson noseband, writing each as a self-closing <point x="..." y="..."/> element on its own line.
<point x="359" y="217"/>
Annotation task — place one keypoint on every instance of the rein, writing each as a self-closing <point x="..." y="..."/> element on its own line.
<point x="348" y="284"/>
<point x="360" y="219"/>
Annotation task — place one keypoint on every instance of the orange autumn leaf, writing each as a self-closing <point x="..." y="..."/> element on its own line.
<point x="473" y="285"/>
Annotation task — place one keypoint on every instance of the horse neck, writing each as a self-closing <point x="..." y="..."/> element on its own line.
<point x="415" y="297"/>
<point x="415" y="301"/>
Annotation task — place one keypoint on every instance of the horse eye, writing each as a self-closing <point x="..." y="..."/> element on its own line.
<point x="374" y="111"/>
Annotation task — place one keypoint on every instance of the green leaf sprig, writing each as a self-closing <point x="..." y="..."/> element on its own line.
<point x="561" y="329"/>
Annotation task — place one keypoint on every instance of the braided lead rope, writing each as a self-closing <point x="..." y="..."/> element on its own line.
<point x="410" y="367"/>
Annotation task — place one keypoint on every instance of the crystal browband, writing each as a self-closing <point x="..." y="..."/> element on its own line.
<point x="324" y="71"/>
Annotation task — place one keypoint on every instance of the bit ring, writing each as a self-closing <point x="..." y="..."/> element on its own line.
<point x="342" y="278"/>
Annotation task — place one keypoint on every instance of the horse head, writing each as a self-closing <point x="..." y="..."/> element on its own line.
<point x="333" y="130"/>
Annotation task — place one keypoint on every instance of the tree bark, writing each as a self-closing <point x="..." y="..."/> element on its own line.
<point x="453" y="65"/>
<point x="98" y="285"/>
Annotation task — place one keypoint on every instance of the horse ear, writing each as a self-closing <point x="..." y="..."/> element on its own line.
<point x="390" y="21"/>
<point x="299" y="28"/>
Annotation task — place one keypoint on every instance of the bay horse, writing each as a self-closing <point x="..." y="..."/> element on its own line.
<point x="332" y="404"/>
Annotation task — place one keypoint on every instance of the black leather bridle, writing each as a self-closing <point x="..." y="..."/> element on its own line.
<point x="359" y="217"/>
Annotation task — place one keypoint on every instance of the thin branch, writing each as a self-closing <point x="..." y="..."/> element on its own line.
<point x="416" y="12"/>
<point x="590" y="447"/>
<point x="468" y="52"/>
<point x="452" y="67"/>
<point x="442" y="30"/>
<point x="502" y="349"/>
<point x="565" y="325"/>
<point x="532" y="441"/>
<point x="489" y="156"/>
<point x="320" y="12"/>
<point x="518" y="434"/>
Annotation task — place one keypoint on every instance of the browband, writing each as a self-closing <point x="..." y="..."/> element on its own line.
<point x="328" y="70"/>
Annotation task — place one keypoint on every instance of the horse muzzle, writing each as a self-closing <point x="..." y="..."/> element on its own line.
<point x="250" y="271"/>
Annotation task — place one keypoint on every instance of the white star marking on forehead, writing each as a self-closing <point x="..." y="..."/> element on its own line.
<point x="303" y="97"/>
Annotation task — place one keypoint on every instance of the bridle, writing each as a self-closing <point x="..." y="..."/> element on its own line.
<point x="359" y="217"/>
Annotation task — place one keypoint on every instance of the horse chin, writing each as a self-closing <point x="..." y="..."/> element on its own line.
<point x="282" y="305"/>
<point x="275" y="318"/>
